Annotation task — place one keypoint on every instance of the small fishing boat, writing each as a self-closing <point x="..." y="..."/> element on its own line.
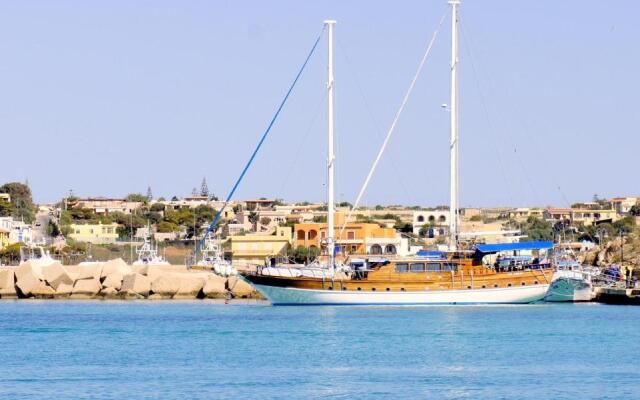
<point x="571" y="281"/>
<point x="148" y="254"/>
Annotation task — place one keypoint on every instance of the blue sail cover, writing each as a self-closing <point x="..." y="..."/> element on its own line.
<point x="496" y="247"/>
<point x="430" y="254"/>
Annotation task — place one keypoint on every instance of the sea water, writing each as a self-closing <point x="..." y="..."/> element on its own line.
<point x="182" y="350"/>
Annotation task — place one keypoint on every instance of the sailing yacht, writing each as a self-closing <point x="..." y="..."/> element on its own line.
<point x="458" y="277"/>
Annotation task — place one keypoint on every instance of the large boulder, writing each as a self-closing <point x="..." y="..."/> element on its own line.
<point x="240" y="288"/>
<point x="113" y="280"/>
<point x="7" y="283"/>
<point x="135" y="285"/>
<point x="56" y="274"/>
<point x="215" y="287"/>
<point x="115" y="266"/>
<point x="166" y="285"/>
<point x="86" y="288"/>
<point x="190" y="286"/>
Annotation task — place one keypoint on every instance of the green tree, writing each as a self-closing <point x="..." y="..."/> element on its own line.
<point x="166" y="227"/>
<point x="537" y="229"/>
<point x="52" y="229"/>
<point x="21" y="200"/>
<point x="137" y="197"/>
<point x="303" y="254"/>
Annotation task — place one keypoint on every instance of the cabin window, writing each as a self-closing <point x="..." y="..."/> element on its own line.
<point x="402" y="289"/>
<point x="448" y="267"/>
<point x="417" y="267"/>
<point x="433" y="267"/>
<point x="402" y="267"/>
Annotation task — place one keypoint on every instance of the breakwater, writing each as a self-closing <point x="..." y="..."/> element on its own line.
<point x="116" y="280"/>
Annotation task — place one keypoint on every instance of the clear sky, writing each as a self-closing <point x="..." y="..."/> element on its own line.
<point x="109" y="97"/>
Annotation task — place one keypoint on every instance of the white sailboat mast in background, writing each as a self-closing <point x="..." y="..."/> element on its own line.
<point x="330" y="156"/>
<point x="453" y="189"/>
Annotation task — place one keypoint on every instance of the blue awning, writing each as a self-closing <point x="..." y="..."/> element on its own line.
<point x="496" y="247"/>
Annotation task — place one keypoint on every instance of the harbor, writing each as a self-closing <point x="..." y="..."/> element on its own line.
<point x="333" y="200"/>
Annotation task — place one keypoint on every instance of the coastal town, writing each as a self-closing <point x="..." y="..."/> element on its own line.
<point x="95" y="229"/>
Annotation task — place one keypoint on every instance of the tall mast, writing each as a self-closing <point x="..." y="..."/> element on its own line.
<point x="453" y="189"/>
<point x="330" y="156"/>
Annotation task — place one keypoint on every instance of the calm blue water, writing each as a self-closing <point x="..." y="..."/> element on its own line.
<point x="172" y="350"/>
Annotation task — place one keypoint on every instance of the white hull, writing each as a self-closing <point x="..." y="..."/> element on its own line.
<point x="512" y="295"/>
<point x="569" y="289"/>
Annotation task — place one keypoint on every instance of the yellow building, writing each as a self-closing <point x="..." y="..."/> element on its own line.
<point x="4" y="238"/>
<point x="254" y="249"/>
<point x="94" y="233"/>
<point x="357" y="237"/>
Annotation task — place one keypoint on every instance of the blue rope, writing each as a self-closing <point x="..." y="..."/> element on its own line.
<point x="216" y="219"/>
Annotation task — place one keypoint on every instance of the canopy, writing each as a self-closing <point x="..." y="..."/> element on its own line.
<point x="496" y="247"/>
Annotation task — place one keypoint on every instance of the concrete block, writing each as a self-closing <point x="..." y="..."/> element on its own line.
<point x="29" y="267"/>
<point x="154" y="271"/>
<point x="43" y="291"/>
<point x="91" y="271"/>
<point x="240" y="288"/>
<point x="113" y="280"/>
<point x="110" y="293"/>
<point x="86" y="288"/>
<point x="7" y="283"/>
<point x="27" y="284"/>
<point x="134" y="285"/>
<point x="166" y="285"/>
<point x="56" y="274"/>
<point x="64" y="290"/>
<point x="115" y="266"/>
<point x="190" y="287"/>
<point x="214" y="287"/>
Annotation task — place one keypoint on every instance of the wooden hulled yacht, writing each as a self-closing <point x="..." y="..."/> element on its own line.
<point x="454" y="277"/>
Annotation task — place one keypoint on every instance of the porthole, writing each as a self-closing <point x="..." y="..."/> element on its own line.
<point x="535" y="282"/>
<point x="508" y="285"/>
<point x="388" y="289"/>
<point x="330" y="287"/>
<point x="484" y="286"/>
<point x="359" y="288"/>
<point x="495" y="285"/>
<point x="468" y="287"/>
<point x="402" y="289"/>
<point x="344" y="288"/>
<point x="373" y="289"/>
<point x="523" y="284"/>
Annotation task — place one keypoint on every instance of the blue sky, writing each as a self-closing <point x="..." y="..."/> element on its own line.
<point x="107" y="98"/>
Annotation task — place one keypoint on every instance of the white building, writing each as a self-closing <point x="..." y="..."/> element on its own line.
<point x="437" y="222"/>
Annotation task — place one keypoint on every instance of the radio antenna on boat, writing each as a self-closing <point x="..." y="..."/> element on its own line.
<point x="330" y="156"/>
<point x="453" y="148"/>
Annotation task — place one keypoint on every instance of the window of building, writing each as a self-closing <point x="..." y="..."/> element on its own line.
<point x="420" y="218"/>
<point x="376" y="249"/>
<point x="390" y="249"/>
<point x="351" y="235"/>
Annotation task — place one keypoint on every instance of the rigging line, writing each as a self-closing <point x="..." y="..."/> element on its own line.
<point x="374" y="121"/>
<point x="393" y="124"/>
<point x="304" y="140"/>
<point x="486" y="111"/>
<point x="213" y="224"/>
<point x="515" y="150"/>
